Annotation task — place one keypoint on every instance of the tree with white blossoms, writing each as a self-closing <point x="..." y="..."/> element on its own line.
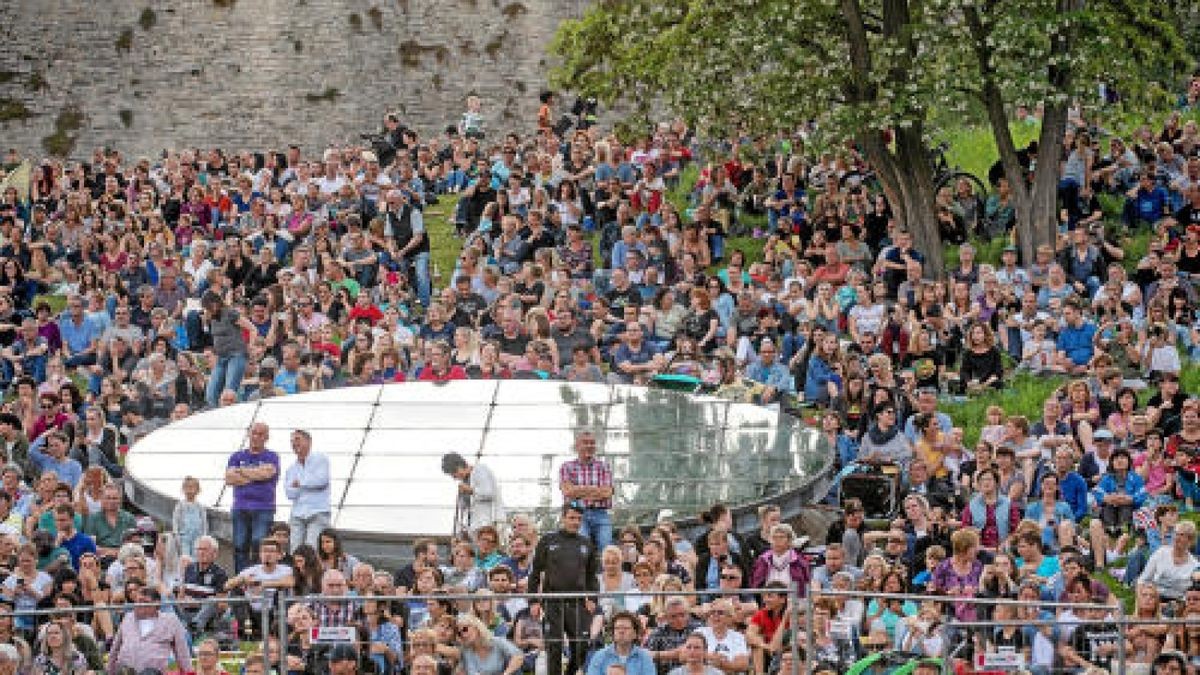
<point x="1053" y="52"/>
<point x="873" y="72"/>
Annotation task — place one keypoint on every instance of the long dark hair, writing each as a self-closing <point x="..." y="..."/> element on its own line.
<point x="310" y="579"/>
<point x="338" y="553"/>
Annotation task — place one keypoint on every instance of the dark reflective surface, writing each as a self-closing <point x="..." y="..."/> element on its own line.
<point x="667" y="449"/>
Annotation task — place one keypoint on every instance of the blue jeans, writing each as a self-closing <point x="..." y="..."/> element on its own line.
<point x="80" y="360"/>
<point x="716" y="245"/>
<point x="1189" y="489"/>
<point x="250" y="527"/>
<point x="421" y="270"/>
<point x="227" y="374"/>
<point x="597" y="524"/>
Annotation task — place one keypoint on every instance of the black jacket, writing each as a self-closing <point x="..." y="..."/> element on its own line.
<point x="563" y="562"/>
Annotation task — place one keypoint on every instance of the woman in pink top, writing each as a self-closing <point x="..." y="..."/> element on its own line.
<point x="1156" y="469"/>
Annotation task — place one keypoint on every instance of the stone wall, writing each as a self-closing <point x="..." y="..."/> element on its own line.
<point x="141" y="75"/>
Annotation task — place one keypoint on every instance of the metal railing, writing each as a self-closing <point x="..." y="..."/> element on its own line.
<point x="1114" y="610"/>
<point x="279" y="604"/>
<point x="800" y="614"/>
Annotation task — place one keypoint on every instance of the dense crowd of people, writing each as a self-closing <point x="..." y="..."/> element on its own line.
<point x="202" y="278"/>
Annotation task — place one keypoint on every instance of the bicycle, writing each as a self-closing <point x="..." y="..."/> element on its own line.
<point x="947" y="175"/>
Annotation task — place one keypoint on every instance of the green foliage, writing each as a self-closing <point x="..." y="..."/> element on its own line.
<point x="124" y="41"/>
<point x="1136" y="247"/>
<point x="680" y="196"/>
<point x="57" y="302"/>
<point x="147" y="18"/>
<point x="986" y="251"/>
<point x="514" y="11"/>
<point x="859" y="67"/>
<point x="1024" y="395"/>
<point x="973" y="149"/>
<point x="36" y="82"/>
<point x="62" y="141"/>
<point x="443" y="246"/>
<point x="1189" y="379"/>
<point x="12" y="110"/>
<point x="328" y="96"/>
<point x="376" y="16"/>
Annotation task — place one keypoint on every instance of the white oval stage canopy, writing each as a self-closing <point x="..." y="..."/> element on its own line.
<point x="668" y="450"/>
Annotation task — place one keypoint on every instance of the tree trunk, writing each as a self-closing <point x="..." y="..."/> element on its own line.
<point x="916" y="178"/>
<point x="905" y="174"/>
<point x="1042" y="219"/>
<point x="906" y="178"/>
<point x="1035" y="205"/>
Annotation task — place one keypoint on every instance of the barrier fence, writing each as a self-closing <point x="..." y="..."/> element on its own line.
<point x="960" y="638"/>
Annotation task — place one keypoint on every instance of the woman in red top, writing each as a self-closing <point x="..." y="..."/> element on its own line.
<point x="365" y="309"/>
<point x="763" y="624"/>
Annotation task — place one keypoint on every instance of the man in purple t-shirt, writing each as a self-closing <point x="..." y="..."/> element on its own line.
<point x="252" y="473"/>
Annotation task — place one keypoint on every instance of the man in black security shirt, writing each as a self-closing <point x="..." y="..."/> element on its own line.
<point x="1094" y="645"/>
<point x="623" y="293"/>
<point x="565" y="562"/>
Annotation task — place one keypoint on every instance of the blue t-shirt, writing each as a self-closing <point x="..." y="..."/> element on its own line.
<point x="1046" y="569"/>
<point x="1076" y="342"/>
<point x="77" y="546"/>
<point x="1150" y="205"/>
<point x="77" y="337"/>
<point x="288" y="380"/>
<point x="256" y="495"/>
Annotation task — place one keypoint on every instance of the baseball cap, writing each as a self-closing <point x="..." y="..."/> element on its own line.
<point x="1103" y="435"/>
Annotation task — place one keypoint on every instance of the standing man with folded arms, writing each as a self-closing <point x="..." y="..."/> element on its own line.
<point x="588" y="481"/>
<point x="253" y="474"/>
<point x="306" y="483"/>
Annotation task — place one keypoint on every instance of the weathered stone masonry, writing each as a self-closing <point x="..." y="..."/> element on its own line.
<point x="141" y="74"/>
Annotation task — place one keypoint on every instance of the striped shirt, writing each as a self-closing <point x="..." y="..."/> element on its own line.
<point x="595" y="473"/>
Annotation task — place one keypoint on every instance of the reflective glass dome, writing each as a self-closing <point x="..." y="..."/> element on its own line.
<point x="667" y="449"/>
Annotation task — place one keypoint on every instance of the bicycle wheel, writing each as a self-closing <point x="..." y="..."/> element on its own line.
<point x="951" y="179"/>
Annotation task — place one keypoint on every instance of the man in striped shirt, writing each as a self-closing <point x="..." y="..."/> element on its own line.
<point x="588" y="480"/>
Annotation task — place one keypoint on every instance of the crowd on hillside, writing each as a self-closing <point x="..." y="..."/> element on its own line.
<point x="202" y="278"/>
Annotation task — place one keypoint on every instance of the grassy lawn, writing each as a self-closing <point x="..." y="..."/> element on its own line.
<point x="973" y="149"/>
<point x="444" y="247"/>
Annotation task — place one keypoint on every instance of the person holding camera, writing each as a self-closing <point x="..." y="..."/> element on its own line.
<point x="478" y="492"/>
